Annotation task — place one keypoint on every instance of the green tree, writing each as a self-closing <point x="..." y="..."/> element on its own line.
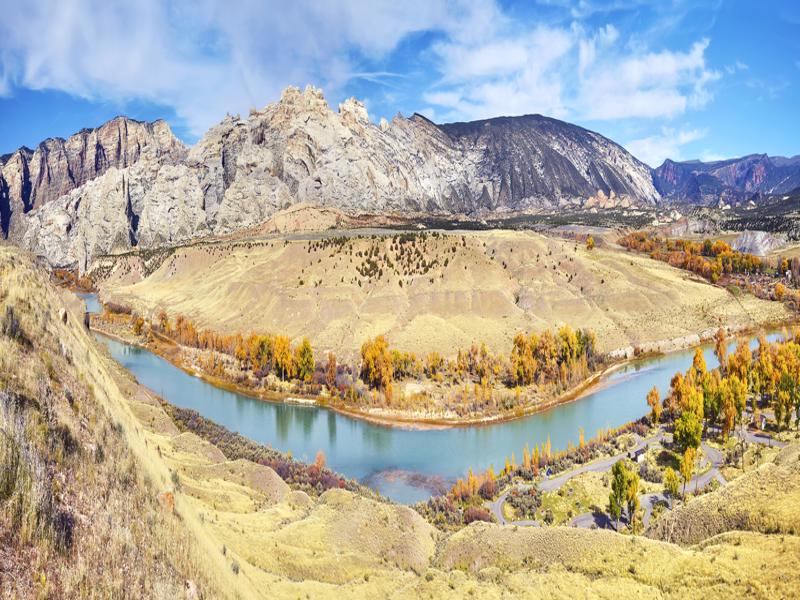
<point x="688" y="430"/>
<point x="687" y="467"/>
<point x="632" y="495"/>
<point x="304" y="361"/>
<point x="671" y="484"/>
<point x="619" y="490"/>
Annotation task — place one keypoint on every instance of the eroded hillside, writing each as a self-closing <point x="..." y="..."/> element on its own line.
<point x="428" y="292"/>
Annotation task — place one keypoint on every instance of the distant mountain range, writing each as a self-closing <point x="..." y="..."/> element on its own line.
<point x="731" y="181"/>
<point x="129" y="183"/>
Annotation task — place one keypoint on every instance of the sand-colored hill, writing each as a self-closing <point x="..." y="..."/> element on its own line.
<point x="437" y="292"/>
<point x="233" y="529"/>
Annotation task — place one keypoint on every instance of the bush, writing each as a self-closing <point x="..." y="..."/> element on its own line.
<point x="10" y="325"/>
<point x="525" y="502"/>
<point x="476" y="513"/>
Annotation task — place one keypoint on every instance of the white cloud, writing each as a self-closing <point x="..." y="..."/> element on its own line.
<point x="204" y="58"/>
<point x="208" y="57"/>
<point x="654" y="149"/>
<point x="569" y="73"/>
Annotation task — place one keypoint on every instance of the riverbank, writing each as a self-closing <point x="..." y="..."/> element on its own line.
<point x="173" y="353"/>
<point x="414" y="420"/>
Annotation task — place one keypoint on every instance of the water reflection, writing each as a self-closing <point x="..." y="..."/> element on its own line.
<point x="406" y="464"/>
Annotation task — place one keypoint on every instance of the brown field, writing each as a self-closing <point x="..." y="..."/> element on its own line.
<point x="234" y="530"/>
<point x="440" y="293"/>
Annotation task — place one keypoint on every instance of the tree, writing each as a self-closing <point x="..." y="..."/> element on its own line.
<point x="687" y="467"/>
<point x="671" y="484"/>
<point x="138" y="325"/>
<point x="330" y="372"/>
<point x="376" y="362"/>
<point x="304" y="361"/>
<point x="282" y="356"/>
<point x="632" y="494"/>
<point x="699" y="362"/>
<point x="590" y="243"/>
<point x="654" y="401"/>
<point x="688" y="430"/>
<point x="619" y="490"/>
<point x="320" y="460"/>
<point x="720" y="347"/>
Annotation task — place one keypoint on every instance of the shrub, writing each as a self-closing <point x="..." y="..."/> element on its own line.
<point x="476" y="513"/>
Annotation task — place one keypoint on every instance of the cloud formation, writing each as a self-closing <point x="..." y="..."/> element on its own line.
<point x="569" y="72"/>
<point x="654" y="149"/>
<point x="204" y="58"/>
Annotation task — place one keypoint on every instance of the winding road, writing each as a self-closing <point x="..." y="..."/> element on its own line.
<point x="647" y="501"/>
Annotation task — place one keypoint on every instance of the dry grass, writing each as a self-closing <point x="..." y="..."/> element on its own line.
<point x="237" y="532"/>
<point x="494" y="284"/>
<point x="765" y="499"/>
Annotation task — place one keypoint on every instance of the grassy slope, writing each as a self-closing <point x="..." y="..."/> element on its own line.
<point x="627" y="299"/>
<point x="288" y="545"/>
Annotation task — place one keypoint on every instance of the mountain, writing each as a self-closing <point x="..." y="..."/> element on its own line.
<point x="30" y="179"/>
<point x="130" y="183"/>
<point x="734" y="180"/>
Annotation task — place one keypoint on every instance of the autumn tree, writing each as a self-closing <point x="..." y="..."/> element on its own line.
<point x="687" y="467"/>
<point x="376" y="362"/>
<point x="699" y="362"/>
<point x="330" y="372"/>
<point x="304" y="361"/>
<point x="671" y="484"/>
<point x="590" y="243"/>
<point x="523" y="364"/>
<point x="282" y="356"/>
<point x="654" y="402"/>
<point x="721" y="347"/>
<point x="138" y="325"/>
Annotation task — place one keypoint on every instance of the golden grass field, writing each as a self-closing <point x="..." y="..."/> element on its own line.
<point x="237" y="531"/>
<point x="478" y="287"/>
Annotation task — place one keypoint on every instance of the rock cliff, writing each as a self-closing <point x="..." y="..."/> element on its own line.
<point x="130" y="183"/>
<point x="733" y="181"/>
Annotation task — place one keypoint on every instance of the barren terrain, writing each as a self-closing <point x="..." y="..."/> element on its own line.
<point x="431" y="292"/>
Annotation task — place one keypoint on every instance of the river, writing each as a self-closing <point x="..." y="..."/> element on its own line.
<point x="405" y="464"/>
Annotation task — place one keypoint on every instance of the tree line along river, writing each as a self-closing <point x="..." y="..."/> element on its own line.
<point x="401" y="463"/>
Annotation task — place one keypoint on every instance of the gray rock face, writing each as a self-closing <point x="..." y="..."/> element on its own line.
<point x="759" y="243"/>
<point x="32" y="178"/>
<point x="735" y="181"/>
<point x="297" y="150"/>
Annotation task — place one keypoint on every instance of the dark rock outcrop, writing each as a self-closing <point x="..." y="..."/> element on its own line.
<point x="733" y="181"/>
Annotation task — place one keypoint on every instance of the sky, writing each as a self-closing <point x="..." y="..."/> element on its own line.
<point x="669" y="79"/>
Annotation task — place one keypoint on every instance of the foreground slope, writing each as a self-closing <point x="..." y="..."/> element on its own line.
<point x="160" y="513"/>
<point x="433" y="292"/>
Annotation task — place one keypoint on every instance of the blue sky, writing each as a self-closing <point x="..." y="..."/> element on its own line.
<point x="674" y="79"/>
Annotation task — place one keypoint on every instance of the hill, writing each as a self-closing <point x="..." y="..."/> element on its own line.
<point x="426" y="292"/>
<point x="117" y="502"/>
<point x="733" y="181"/>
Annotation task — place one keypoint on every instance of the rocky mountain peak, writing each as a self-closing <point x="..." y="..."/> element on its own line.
<point x="134" y="184"/>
